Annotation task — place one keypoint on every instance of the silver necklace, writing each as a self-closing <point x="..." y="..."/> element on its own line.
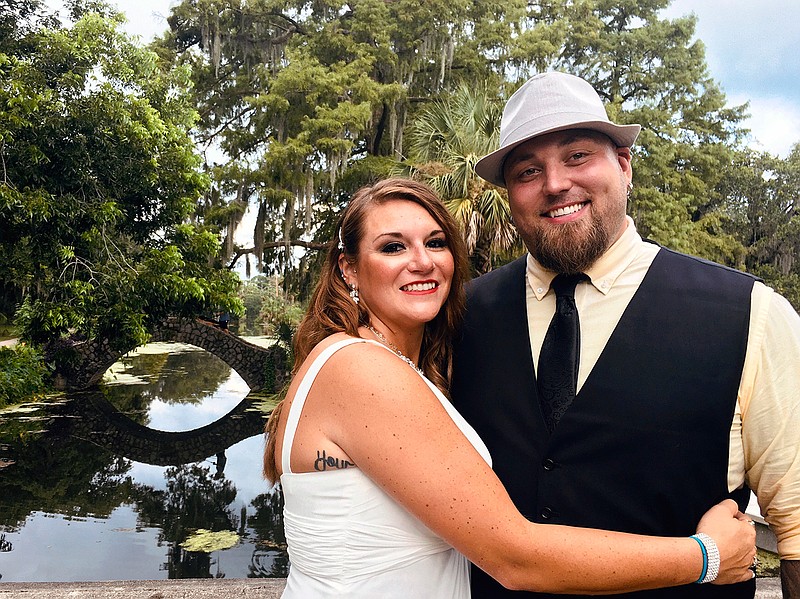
<point x="394" y="348"/>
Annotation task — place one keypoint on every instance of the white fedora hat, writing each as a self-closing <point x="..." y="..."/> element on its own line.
<point x="546" y="103"/>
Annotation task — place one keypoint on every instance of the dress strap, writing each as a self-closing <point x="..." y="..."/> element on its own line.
<point x="299" y="400"/>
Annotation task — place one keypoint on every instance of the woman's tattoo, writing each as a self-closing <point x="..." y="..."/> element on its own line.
<point x="325" y="462"/>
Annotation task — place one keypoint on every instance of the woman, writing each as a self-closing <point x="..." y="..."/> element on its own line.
<point x="381" y="476"/>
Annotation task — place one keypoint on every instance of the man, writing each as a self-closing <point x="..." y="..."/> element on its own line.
<point x="688" y="378"/>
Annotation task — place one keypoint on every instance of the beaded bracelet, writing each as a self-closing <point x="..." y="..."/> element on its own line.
<point x="710" y="558"/>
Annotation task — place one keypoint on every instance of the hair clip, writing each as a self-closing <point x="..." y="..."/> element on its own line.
<point x="341" y="243"/>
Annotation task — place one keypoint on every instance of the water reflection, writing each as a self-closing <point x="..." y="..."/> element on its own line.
<point x="171" y="374"/>
<point x="73" y="507"/>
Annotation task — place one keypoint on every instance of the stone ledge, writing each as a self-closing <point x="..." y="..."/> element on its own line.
<point x="250" y="588"/>
<point x="202" y="588"/>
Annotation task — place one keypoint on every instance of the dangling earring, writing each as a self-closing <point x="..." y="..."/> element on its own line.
<point x="354" y="292"/>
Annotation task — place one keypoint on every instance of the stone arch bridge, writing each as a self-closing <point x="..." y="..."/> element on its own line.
<point x="82" y="365"/>
<point x="96" y="420"/>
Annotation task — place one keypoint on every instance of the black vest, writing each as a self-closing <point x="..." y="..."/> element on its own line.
<point x="644" y="446"/>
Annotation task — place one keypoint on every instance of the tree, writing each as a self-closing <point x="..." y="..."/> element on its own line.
<point x="310" y="100"/>
<point x="762" y="195"/>
<point x="648" y="70"/>
<point x="268" y="308"/>
<point x="286" y="96"/>
<point x="17" y="17"/>
<point x="445" y="142"/>
<point x="99" y="177"/>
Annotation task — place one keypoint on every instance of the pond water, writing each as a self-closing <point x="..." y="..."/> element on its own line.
<point x="74" y="506"/>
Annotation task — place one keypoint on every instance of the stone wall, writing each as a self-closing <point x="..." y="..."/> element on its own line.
<point x="82" y="364"/>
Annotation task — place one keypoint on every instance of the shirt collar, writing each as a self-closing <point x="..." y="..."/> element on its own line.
<point x="603" y="273"/>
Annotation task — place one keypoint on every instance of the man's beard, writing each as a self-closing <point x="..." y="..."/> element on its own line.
<point x="568" y="249"/>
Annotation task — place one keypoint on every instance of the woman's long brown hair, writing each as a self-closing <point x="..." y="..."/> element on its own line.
<point x="331" y="309"/>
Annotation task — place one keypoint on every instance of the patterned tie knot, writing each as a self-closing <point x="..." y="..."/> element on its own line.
<point x="564" y="285"/>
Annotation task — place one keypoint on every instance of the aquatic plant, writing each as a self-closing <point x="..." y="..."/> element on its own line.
<point x="207" y="541"/>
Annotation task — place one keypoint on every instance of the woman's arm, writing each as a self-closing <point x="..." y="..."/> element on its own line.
<point x="385" y="418"/>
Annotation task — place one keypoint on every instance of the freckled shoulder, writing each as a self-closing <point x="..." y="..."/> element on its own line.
<point x="368" y="367"/>
<point x="362" y="393"/>
<point x="359" y="376"/>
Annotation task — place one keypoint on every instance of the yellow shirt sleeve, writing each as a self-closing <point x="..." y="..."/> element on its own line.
<point x="769" y="415"/>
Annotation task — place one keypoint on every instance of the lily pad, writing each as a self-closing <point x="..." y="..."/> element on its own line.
<point x="207" y="541"/>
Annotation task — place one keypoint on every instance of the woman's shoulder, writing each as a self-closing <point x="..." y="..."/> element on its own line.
<point x="346" y="349"/>
<point x="335" y="344"/>
<point x="357" y="361"/>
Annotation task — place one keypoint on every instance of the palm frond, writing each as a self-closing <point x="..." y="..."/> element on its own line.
<point x="454" y="136"/>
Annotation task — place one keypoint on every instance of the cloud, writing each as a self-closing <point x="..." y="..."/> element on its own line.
<point x="748" y="43"/>
<point x="751" y="51"/>
<point x="774" y="124"/>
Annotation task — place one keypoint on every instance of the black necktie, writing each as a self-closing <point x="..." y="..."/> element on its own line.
<point x="557" y="376"/>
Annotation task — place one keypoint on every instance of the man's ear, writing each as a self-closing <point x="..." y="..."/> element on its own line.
<point x="624" y="159"/>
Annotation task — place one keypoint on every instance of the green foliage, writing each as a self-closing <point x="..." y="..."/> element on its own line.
<point x="207" y="541"/>
<point x="762" y="200"/>
<point x="446" y="140"/>
<point x="252" y="294"/>
<point x="7" y="329"/>
<point x="268" y="307"/>
<point x="100" y="177"/>
<point x="23" y="374"/>
<point x="768" y="564"/>
<point x="277" y="366"/>
<point x="280" y="311"/>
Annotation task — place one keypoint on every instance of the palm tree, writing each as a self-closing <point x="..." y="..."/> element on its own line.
<point x="445" y="142"/>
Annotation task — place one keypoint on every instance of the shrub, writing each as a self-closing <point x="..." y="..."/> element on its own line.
<point x="23" y="374"/>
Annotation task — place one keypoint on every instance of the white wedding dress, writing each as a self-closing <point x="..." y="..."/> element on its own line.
<point x="348" y="538"/>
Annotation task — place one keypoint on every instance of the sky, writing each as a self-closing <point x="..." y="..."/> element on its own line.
<point x="751" y="52"/>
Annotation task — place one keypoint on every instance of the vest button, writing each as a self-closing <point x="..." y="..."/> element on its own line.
<point x="548" y="464"/>
<point x="546" y="513"/>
